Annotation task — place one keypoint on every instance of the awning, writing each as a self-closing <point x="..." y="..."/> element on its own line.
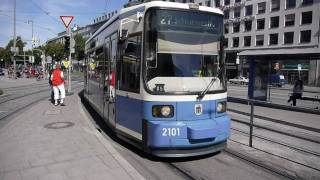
<point x="291" y="51"/>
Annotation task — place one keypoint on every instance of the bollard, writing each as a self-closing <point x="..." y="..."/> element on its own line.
<point x="251" y="124"/>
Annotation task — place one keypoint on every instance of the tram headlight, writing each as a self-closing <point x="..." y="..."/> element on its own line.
<point x="221" y="107"/>
<point x="165" y="111"/>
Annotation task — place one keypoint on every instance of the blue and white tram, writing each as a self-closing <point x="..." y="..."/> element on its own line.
<point x="155" y="73"/>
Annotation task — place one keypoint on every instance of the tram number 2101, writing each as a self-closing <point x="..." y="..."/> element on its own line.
<point x="170" y="131"/>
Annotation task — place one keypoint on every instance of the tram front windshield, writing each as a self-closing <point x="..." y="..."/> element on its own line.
<point x="182" y="52"/>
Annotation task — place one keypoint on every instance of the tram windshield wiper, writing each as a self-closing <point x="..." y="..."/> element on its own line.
<point x="204" y="92"/>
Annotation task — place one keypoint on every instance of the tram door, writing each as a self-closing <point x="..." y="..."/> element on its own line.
<point x="109" y="90"/>
<point x="112" y="76"/>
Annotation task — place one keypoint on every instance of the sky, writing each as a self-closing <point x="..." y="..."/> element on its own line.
<point x="45" y="15"/>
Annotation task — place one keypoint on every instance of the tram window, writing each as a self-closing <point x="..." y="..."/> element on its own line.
<point x="97" y="65"/>
<point x="130" y="65"/>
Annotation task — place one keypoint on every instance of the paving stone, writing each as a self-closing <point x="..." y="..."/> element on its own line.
<point x="30" y="151"/>
<point x="109" y="161"/>
<point x="54" y="176"/>
<point x="13" y="175"/>
<point x="33" y="172"/>
<point x="59" y="167"/>
<point x="40" y="161"/>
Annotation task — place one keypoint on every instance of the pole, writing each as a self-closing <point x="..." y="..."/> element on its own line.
<point x="251" y="124"/>
<point x="24" y="59"/>
<point x="70" y="63"/>
<point x="14" y="39"/>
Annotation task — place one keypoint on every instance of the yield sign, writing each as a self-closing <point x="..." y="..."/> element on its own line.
<point x="66" y="20"/>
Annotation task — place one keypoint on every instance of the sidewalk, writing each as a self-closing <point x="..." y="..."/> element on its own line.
<point x="47" y="142"/>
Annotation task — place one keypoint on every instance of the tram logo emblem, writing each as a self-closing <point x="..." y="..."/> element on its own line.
<point x="198" y="109"/>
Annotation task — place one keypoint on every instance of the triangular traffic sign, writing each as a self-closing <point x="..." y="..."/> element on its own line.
<point x="66" y="20"/>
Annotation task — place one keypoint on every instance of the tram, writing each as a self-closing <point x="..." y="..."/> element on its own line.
<point x="155" y="72"/>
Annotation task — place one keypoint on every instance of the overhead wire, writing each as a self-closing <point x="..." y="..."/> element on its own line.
<point x="26" y="22"/>
<point x="44" y="11"/>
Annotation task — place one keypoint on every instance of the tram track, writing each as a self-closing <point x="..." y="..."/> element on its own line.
<point x="276" y="155"/>
<point x="279" y="142"/>
<point x="13" y="96"/>
<point x="25" y="101"/>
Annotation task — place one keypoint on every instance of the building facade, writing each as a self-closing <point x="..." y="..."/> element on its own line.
<point x="276" y="27"/>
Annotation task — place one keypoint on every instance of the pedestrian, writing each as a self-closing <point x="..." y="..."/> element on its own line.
<point x="296" y="92"/>
<point x="57" y="80"/>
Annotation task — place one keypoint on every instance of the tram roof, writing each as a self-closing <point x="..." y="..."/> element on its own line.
<point x="129" y="10"/>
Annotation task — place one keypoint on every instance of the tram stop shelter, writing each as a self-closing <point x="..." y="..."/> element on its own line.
<point x="265" y="63"/>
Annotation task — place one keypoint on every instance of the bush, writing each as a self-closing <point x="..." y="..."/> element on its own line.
<point x="1" y="92"/>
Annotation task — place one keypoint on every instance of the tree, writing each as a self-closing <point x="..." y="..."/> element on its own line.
<point x="19" y="43"/>
<point x="5" y="55"/>
<point x="55" y="50"/>
<point x="79" y="46"/>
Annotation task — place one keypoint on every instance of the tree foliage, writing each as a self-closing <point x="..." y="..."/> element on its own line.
<point x="55" y="50"/>
<point x="19" y="43"/>
<point x="79" y="46"/>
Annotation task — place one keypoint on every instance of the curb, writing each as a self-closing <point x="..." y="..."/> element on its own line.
<point x="134" y="174"/>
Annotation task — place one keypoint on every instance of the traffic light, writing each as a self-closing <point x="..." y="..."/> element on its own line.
<point x="67" y="43"/>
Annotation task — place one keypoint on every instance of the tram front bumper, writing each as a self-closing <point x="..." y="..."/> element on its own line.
<point x="187" y="134"/>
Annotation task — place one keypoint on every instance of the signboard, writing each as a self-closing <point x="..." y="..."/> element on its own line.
<point x="49" y="59"/>
<point x="14" y="50"/>
<point x="66" y="64"/>
<point x="66" y="20"/>
<point x="258" y="80"/>
<point x="31" y="59"/>
<point x="299" y="67"/>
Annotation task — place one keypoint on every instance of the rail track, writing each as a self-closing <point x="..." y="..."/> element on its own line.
<point x="23" y="101"/>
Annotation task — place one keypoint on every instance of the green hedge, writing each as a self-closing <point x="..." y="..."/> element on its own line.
<point x="1" y="92"/>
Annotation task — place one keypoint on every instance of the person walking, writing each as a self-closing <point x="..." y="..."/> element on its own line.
<point x="296" y="92"/>
<point x="57" y="80"/>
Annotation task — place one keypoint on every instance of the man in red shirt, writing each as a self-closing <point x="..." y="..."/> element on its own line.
<point x="57" y="80"/>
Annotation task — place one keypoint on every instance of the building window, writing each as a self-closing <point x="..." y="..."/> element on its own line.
<point x="288" y="37"/>
<point x="226" y="14"/>
<point x="226" y="2"/>
<point x="273" y="39"/>
<point x="307" y="2"/>
<point x="247" y="25"/>
<point x="306" y="17"/>
<point x="305" y="36"/>
<point x="290" y="4"/>
<point x="235" y="42"/>
<point x="225" y="42"/>
<point x="248" y="10"/>
<point x="260" y="24"/>
<point x="247" y="41"/>
<point x="259" y="40"/>
<point x="236" y="12"/>
<point x="261" y="7"/>
<point x="237" y="1"/>
<point x="226" y="28"/>
<point x="275" y="5"/>
<point x="274" y="22"/>
<point x="236" y="27"/>
<point x="217" y="3"/>
<point x="289" y="20"/>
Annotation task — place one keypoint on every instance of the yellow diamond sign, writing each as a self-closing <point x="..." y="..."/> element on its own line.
<point x="66" y="64"/>
<point x="93" y="66"/>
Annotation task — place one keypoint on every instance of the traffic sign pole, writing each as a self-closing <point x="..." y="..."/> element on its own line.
<point x="69" y="68"/>
<point x="66" y="21"/>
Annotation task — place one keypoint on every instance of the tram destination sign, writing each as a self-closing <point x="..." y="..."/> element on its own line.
<point x="189" y="21"/>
